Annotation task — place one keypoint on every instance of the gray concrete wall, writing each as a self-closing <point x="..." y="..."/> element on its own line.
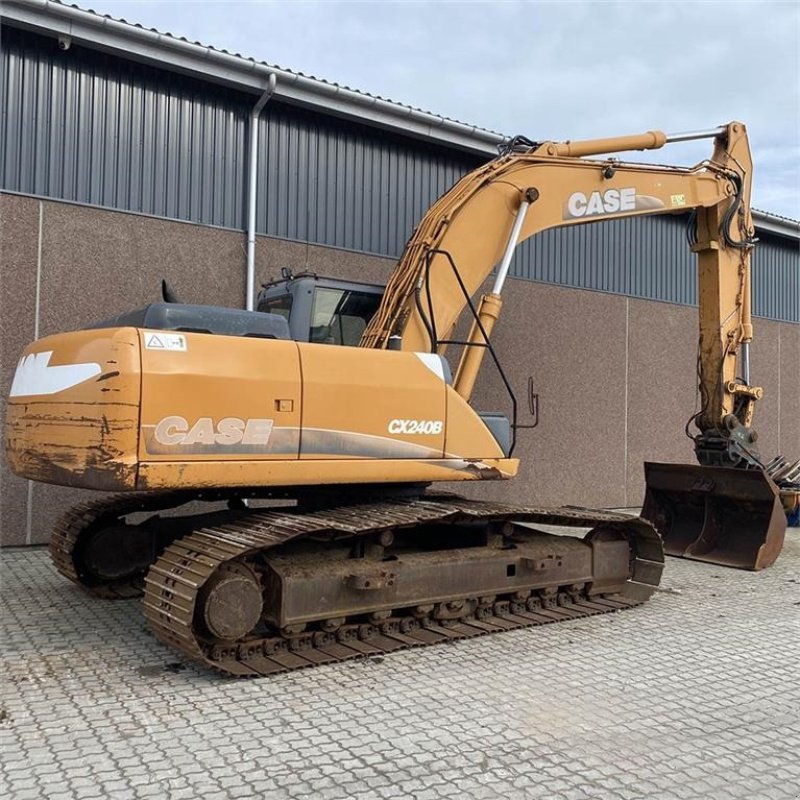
<point x="615" y="375"/>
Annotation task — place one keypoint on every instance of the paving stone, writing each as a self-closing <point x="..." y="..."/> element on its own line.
<point x="691" y="695"/>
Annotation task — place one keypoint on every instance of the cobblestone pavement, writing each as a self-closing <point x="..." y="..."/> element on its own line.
<point x="694" y="695"/>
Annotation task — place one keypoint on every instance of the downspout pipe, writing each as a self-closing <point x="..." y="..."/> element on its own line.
<point x="252" y="181"/>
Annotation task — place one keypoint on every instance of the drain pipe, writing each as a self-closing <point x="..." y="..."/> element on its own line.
<point x="252" y="168"/>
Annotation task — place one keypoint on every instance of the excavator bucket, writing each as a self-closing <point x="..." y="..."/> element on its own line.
<point x="726" y="516"/>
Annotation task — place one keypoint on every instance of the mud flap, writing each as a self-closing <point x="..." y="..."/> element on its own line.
<point x="732" y="517"/>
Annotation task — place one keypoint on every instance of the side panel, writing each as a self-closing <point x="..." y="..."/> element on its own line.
<point x="218" y="398"/>
<point x="72" y="416"/>
<point x="124" y="409"/>
<point x="361" y="403"/>
<point x="467" y="435"/>
<point x="319" y="472"/>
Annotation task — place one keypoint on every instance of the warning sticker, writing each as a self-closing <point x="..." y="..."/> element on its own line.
<point x="163" y="340"/>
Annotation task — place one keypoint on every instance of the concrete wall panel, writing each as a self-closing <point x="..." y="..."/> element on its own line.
<point x="662" y="348"/>
<point x="790" y="391"/>
<point x="98" y="263"/>
<point x="272" y="254"/>
<point x="573" y="344"/>
<point x="19" y="234"/>
<point x="349" y="265"/>
<point x="765" y="372"/>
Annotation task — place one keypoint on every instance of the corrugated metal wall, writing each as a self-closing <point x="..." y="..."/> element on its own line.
<point x="78" y="125"/>
<point x="625" y="256"/>
<point x="333" y="183"/>
<point x="648" y="257"/>
<point x="82" y="126"/>
<point x="776" y="278"/>
<point x="87" y="127"/>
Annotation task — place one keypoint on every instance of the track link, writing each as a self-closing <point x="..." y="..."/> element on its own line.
<point x="175" y="583"/>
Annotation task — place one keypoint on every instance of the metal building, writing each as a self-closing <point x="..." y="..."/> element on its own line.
<point x="114" y="136"/>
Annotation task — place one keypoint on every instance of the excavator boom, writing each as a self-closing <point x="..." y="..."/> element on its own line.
<point x="475" y="227"/>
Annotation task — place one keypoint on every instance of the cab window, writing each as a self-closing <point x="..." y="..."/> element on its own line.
<point x="277" y="305"/>
<point x="339" y="316"/>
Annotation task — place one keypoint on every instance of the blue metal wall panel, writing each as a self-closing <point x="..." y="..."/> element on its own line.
<point x="87" y="127"/>
<point x="640" y="257"/>
<point x="648" y="257"/>
<point x="82" y="126"/>
<point x="776" y="279"/>
<point x="337" y="184"/>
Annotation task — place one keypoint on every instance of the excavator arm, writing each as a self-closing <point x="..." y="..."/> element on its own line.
<point x="476" y="226"/>
<point x="713" y="512"/>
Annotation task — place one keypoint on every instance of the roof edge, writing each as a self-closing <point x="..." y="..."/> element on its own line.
<point x="773" y="223"/>
<point x="198" y="60"/>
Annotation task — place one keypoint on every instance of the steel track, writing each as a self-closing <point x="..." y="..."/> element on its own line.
<point x="79" y="521"/>
<point x="175" y="582"/>
<point x="176" y="579"/>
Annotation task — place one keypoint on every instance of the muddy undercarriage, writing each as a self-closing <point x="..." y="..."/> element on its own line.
<point x="253" y="592"/>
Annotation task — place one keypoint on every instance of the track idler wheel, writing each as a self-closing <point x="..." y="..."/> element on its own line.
<point x="232" y="602"/>
<point x="118" y="551"/>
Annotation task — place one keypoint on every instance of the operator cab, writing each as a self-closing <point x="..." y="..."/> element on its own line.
<point x="318" y="309"/>
<point x="331" y="311"/>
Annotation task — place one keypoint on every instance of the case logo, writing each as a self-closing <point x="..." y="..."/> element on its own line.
<point x="611" y="201"/>
<point x="172" y="431"/>
<point x="607" y="202"/>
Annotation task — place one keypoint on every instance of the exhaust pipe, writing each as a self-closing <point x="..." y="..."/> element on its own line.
<point x="721" y="515"/>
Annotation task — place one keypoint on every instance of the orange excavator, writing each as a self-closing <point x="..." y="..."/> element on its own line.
<point x="356" y="554"/>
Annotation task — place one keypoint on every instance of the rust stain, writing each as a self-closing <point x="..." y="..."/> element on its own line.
<point x="65" y="445"/>
<point x="483" y="472"/>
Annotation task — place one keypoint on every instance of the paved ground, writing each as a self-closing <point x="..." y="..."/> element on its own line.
<point x="695" y="695"/>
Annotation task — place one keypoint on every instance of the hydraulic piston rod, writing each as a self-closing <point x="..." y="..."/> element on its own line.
<point x="490" y="307"/>
<point x="505" y="262"/>
<point x="690" y="136"/>
<point x="651" y="140"/>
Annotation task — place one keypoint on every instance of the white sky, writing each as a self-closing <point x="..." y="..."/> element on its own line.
<point x="549" y="70"/>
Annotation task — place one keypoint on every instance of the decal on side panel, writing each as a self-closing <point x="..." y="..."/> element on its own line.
<point x="425" y="427"/>
<point x="174" y="434"/>
<point x="35" y="376"/>
<point x="163" y="340"/>
<point x="229" y="430"/>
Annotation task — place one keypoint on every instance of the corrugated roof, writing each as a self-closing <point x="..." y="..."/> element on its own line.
<point x="275" y="66"/>
<point x="149" y="45"/>
<point x="114" y="34"/>
<point x="768" y="222"/>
